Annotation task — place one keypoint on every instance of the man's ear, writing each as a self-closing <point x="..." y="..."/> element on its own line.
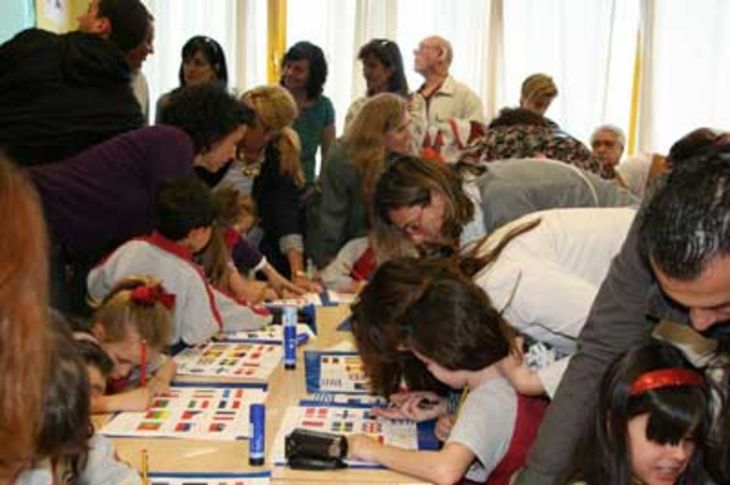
<point x="103" y="27"/>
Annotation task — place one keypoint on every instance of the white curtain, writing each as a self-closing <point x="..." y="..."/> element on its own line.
<point x="464" y="23"/>
<point x="587" y="46"/>
<point x="375" y="19"/>
<point x="686" y="70"/>
<point x="330" y="24"/>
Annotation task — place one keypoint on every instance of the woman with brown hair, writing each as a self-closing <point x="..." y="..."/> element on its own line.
<point x="427" y="201"/>
<point x="24" y="339"/>
<point x="378" y="134"/>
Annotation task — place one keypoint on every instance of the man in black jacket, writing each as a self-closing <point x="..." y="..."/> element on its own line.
<point x="60" y="94"/>
<point x="675" y="265"/>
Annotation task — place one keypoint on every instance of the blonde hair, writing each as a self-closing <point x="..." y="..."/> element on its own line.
<point x="118" y="310"/>
<point x="539" y="88"/>
<point x="277" y="110"/>
<point x="25" y="342"/>
<point x="365" y="138"/>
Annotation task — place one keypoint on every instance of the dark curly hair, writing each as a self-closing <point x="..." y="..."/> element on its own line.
<point x="207" y="113"/>
<point x="213" y="53"/>
<point x="317" y="66"/>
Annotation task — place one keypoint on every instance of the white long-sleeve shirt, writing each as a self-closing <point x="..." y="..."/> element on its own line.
<point x="545" y="280"/>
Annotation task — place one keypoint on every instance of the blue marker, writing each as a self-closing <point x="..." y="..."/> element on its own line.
<point x="290" y="336"/>
<point x="257" y="418"/>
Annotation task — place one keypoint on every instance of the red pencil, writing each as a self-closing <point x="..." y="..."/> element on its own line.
<point x="143" y="363"/>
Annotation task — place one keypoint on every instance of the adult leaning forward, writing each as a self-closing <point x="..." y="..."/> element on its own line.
<point x="104" y="196"/>
<point x="675" y="264"/>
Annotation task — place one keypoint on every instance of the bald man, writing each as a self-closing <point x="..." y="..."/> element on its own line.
<point x="443" y="97"/>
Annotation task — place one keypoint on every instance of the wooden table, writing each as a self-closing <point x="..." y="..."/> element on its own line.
<point x="286" y="388"/>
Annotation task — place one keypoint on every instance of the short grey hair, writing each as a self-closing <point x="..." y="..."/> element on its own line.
<point x="446" y="46"/>
<point x="613" y="129"/>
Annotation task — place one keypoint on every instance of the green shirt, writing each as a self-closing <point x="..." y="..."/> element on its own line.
<point x="309" y="126"/>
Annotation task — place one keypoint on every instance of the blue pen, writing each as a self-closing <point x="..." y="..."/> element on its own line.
<point x="290" y="336"/>
<point x="257" y="418"/>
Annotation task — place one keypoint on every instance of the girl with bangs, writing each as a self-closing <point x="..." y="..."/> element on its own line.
<point x="435" y="313"/>
<point x="653" y="421"/>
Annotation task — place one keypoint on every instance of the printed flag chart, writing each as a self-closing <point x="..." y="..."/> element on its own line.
<point x="396" y="432"/>
<point x="207" y="413"/>
<point x="248" y="360"/>
<point x="335" y="371"/>
<point x="258" y="478"/>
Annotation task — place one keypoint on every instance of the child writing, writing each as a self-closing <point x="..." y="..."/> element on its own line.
<point x="185" y="212"/>
<point x="235" y="216"/>
<point x="448" y="323"/>
<point x="132" y="326"/>
<point x="68" y="450"/>
<point x="653" y="421"/>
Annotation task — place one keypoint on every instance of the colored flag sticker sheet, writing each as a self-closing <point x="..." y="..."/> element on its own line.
<point x="340" y="420"/>
<point x="260" y="478"/>
<point x="271" y="334"/>
<point x="246" y="360"/>
<point x="335" y="371"/>
<point x="207" y="413"/>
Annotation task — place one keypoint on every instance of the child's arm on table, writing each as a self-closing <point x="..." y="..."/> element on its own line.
<point x="160" y="382"/>
<point x="138" y="399"/>
<point x="445" y="466"/>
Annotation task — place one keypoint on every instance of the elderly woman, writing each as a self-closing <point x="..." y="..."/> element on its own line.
<point x="378" y="135"/>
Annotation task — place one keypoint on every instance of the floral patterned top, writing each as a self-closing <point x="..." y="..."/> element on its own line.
<point x="532" y="141"/>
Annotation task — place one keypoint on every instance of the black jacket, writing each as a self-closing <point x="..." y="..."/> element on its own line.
<point x="60" y="94"/>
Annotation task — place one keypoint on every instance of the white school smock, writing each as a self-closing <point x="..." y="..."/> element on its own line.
<point x="194" y="317"/>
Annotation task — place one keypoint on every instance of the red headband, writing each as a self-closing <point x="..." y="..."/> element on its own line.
<point x="151" y="294"/>
<point x="671" y="377"/>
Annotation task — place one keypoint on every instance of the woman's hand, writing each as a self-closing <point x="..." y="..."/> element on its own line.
<point x="309" y="285"/>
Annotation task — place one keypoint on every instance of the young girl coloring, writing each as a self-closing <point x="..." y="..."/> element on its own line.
<point x="133" y="326"/>
<point x="448" y="323"/>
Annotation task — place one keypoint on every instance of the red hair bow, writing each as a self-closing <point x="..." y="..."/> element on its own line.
<point x="151" y="294"/>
